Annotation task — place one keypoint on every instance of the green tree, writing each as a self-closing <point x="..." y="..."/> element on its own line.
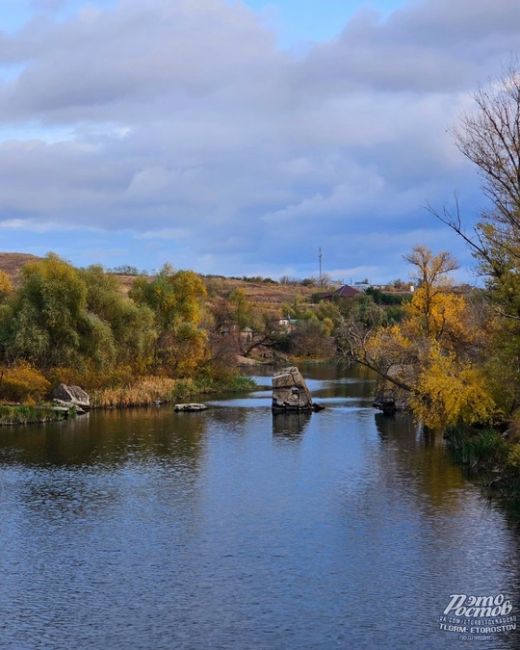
<point x="243" y="312"/>
<point x="48" y="320"/>
<point x="129" y="328"/>
<point x="177" y="300"/>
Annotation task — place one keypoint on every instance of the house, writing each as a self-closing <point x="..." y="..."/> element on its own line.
<point x="287" y="324"/>
<point x="346" y="291"/>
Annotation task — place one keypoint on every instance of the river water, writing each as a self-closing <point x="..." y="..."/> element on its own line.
<point x="234" y="529"/>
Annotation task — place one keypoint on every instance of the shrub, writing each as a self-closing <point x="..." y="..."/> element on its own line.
<point x="483" y="449"/>
<point x="6" y="286"/>
<point x="22" y="383"/>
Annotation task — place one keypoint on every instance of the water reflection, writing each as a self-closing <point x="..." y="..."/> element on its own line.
<point x="290" y="425"/>
<point x="108" y="438"/>
<point x="236" y="529"/>
<point x="422" y="456"/>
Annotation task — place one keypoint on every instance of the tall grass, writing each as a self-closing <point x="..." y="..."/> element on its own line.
<point x="152" y="391"/>
<point x="23" y="414"/>
<point x="147" y="391"/>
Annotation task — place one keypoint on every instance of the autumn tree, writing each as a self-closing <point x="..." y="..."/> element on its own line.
<point x="75" y="319"/>
<point x="489" y="137"/>
<point x="428" y="355"/>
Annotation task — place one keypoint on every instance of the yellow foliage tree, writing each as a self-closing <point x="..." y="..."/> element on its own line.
<point x="450" y="392"/>
<point x="429" y="353"/>
<point x="447" y="316"/>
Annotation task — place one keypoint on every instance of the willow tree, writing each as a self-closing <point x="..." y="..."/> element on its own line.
<point x="47" y="320"/>
<point x="131" y="325"/>
<point x="177" y="300"/>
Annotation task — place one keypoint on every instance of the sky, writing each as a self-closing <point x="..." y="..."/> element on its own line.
<point x="238" y="138"/>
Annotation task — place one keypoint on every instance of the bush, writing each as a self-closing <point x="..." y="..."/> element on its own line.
<point x="482" y="449"/>
<point x="223" y="382"/>
<point x="6" y="286"/>
<point x="22" y="383"/>
<point x="382" y="298"/>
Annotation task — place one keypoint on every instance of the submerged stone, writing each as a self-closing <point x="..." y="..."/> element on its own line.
<point x="189" y="408"/>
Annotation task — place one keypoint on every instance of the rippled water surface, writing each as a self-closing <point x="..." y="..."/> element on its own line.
<point x="236" y="529"/>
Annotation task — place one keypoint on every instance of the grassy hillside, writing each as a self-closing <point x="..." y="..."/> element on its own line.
<point x="268" y="295"/>
<point x="12" y="264"/>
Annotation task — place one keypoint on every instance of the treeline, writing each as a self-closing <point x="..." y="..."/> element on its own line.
<point x="78" y="326"/>
<point x="75" y="325"/>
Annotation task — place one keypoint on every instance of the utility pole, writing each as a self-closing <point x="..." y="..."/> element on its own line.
<point x="320" y="258"/>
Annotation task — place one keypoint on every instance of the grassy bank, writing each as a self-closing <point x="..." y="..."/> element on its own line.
<point x="489" y="457"/>
<point x="13" y="414"/>
<point x="151" y="391"/>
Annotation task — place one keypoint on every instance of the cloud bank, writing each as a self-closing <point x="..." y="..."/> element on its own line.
<point x="180" y="130"/>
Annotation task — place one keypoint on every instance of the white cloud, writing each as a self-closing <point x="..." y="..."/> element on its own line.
<point x="183" y="120"/>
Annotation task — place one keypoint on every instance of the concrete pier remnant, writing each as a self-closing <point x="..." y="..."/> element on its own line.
<point x="290" y="392"/>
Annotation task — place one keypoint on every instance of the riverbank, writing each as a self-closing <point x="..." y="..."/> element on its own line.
<point x="147" y="391"/>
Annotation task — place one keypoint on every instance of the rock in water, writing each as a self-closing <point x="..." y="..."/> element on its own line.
<point x="290" y="392"/>
<point x="71" y="396"/>
<point x="189" y="408"/>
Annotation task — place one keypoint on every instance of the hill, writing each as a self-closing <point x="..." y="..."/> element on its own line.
<point x="267" y="295"/>
<point x="13" y="263"/>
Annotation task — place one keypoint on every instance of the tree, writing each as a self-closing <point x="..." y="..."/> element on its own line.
<point x="242" y="308"/>
<point x="429" y="354"/>
<point x="76" y="320"/>
<point x="489" y="136"/>
<point x="48" y="318"/>
<point x="129" y="327"/>
<point x="177" y="300"/>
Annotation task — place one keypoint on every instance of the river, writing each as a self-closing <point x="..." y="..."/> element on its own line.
<point x="234" y="529"/>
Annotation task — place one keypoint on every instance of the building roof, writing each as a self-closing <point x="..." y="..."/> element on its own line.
<point x="346" y="291"/>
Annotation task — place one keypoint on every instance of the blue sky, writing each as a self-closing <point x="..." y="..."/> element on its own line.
<point x="237" y="138"/>
<point x="300" y="21"/>
<point x="294" y="20"/>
